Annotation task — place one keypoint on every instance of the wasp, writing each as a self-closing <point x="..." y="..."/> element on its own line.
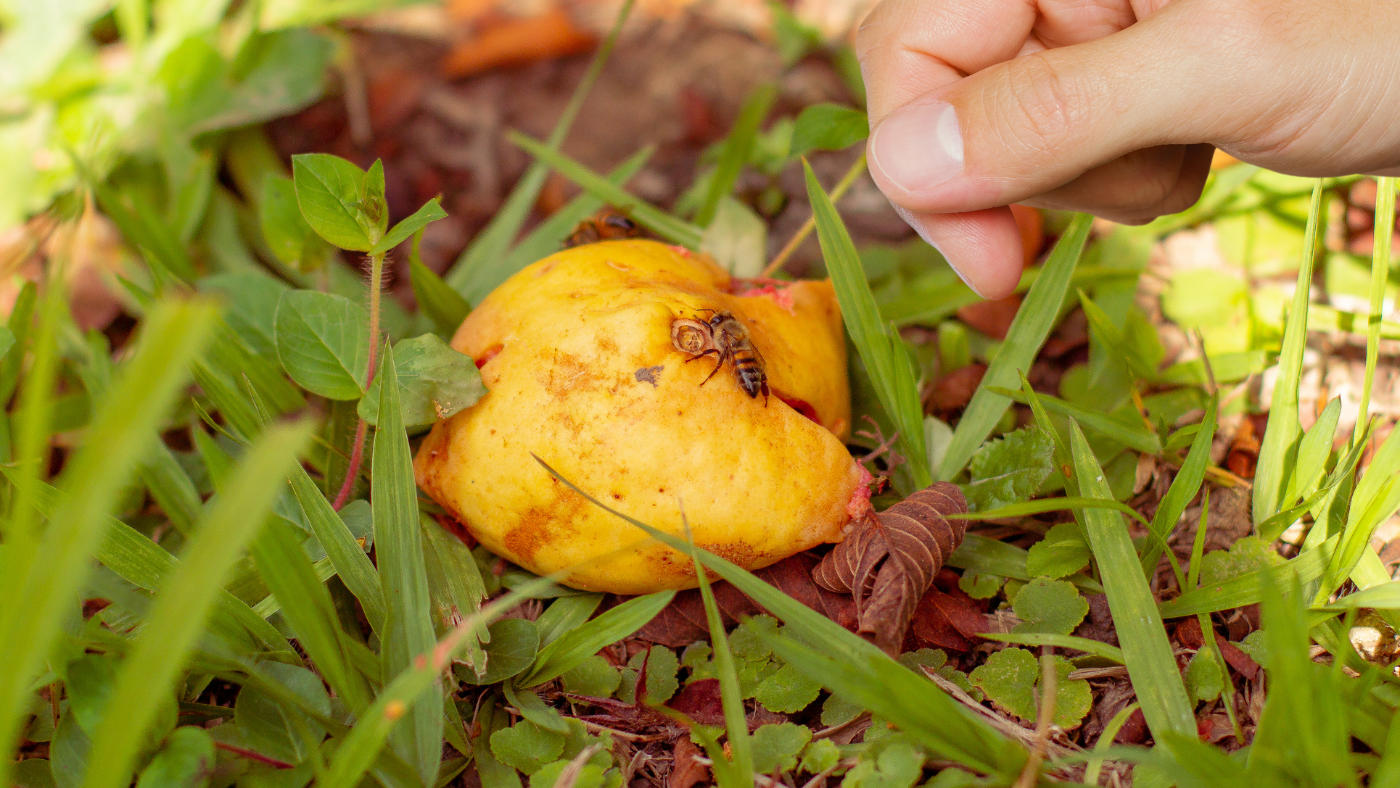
<point x="606" y="225"/>
<point x="727" y="339"/>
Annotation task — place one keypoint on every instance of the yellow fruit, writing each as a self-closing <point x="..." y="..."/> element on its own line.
<point x="577" y="354"/>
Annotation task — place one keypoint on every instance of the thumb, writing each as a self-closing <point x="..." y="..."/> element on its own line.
<point x="1026" y="126"/>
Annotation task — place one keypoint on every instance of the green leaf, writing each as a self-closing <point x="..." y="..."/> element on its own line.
<point x="436" y="299"/>
<point x="526" y="746"/>
<point x="775" y="747"/>
<point x="45" y="571"/>
<point x="1248" y="554"/>
<point x="186" y="761"/>
<point x="1147" y="654"/>
<point x="1183" y="489"/>
<point x="661" y="666"/>
<point x="1129" y="431"/>
<point x="399" y="548"/>
<point x="1376" y="498"/>
<point x="1011" y="677"/>
<point x="277" y="729"/>
<point x="658" y="221"/>
<point x="738" y="147"/>
<point x="1205" y="678"/>
<point x="573" y="647"/>
<point x="351" y="564"/>
<point x="535" y="710"/>
<point x="593" y="677"/>
<point x="287" y="234"/>
<point x="980" y="586"/>
<point x="828" y="127"/>
<point x="454" y="579"/>
<point x="1024" y="338"/>
<point x="737" y="238"/>
<point x="1278" y="447"/>
<point x="880" y="348"/>
<point x="68" y="753"/>
<point x="323" y="342"/>
<point x="787" y="691"/>
<point x="1049" y="606"/>
<point x="821" y="755"/>
<point x="566" y="614"/>
<point x="1062" y="552"/>
<point x="1313" y="451"/>
<point x="332" y="193"/>
<point x="429" y="213"/>
<point x="435" y="382"/>
<point x="512" y="648"/>
<point x="1009" y="469"/>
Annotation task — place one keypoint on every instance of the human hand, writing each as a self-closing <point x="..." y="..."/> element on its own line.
<point x="1113" y="107"/>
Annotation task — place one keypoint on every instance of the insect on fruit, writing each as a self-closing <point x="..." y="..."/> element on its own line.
<point x="606" y="225"/>
<point x="726" y="338"/>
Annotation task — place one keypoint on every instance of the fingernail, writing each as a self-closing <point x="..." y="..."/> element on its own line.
<point x="919" y="147"/>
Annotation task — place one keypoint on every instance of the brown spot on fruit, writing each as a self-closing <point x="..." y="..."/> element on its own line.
<point x="735" y="552"/>
<point x="649" y="374"/>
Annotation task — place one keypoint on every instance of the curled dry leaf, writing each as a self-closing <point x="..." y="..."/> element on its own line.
<point x="889" y="560"/>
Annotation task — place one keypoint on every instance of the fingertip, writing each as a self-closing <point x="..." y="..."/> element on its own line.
<point x="983" y="247"/>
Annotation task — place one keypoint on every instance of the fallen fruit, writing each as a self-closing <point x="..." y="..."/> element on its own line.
<point x="582" y="370"/>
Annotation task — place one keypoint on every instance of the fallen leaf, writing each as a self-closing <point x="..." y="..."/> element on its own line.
<point x="889" y="560"/>
<point x="515" y="42"/>
<point x="953" y="391"/>
<point x="992" y="318"/>
<point x="686" y="769"/>
<point x="700" y="701"/>
<point x="1244" y="451"/>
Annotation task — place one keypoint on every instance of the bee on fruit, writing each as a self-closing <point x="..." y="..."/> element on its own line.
<point x="727" y="339"/>
<point x="606" y="225"/>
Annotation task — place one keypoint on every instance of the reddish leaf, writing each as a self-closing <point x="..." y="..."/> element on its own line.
<point x="700" y="701"/>
<point x="954" y="390"/>
<point x="686" y="770"/>
<point x="992" y="318"/>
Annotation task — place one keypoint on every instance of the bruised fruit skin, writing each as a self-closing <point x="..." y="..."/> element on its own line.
<point x="577" y="355"/>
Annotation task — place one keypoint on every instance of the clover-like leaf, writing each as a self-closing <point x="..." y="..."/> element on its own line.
<point x="1052" y="606"/>
<point x="1011" y="676"/>
<point x="980" y="586"/>
<point x="820" y="755"/>
<point x="787" y="691"/>
<point x="661" y="665"/>
<point x="593" y="677"/>
<point x="1205" y="679"/>
<point x="1009" y="469"/>
<point x="435" y="382"/>
<point x="1249" y="554"/>
<point x="1062" y="552"/>
<point x="775" y="747"/>
<point x="526" y="746"/>
<point x="323" y="342"/>
<point x="899" y="765"/>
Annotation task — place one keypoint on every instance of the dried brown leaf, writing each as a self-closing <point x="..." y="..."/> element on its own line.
<point x="889" y="561"/>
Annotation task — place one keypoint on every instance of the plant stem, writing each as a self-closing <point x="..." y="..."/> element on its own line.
<point x="811" y="223"/>
<point x="357" y="454"/>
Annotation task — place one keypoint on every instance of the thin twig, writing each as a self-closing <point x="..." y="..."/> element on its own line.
<point x="837" y="193"/>
<point x="253" y="756"/>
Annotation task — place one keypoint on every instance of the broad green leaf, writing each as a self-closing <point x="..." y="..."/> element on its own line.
<point x="436" y="299"/>
<point x="1277" y="449"/>
<point x="737" y="238"/>
<point x="399" y="548"/>
<point x="435" y="382"/>
<point x="526" y="746"/>
<point x="287" y="234"/>
<point x="776" y="747"/>
<point x="1009" y="469"/>
<point x="323" y="342"/>
<point x="663" y="224"/>
<point x="41" y="582"/>
<point x="661" y="666"/>
<point x="186" y="761"/>
<point x="899" y="765"/>
<point x="881" y="350"/>
<point x="535" y="710"/>
<point x="828" y="127"/>
<point x="429" y="213"/>
<point x="787" y="691"/>
<point x="1049" y="606"/>
<point x="738" y="147"/>
<point x="1248" y="554"/>
<point x="332" y="194"/>
<point x="593" y="677"/>
<point x="1023" y="340"/>
<point x="180" y="609"/>
<point x="514" y="642"/>
<point x="454" y="582"/>
<point x="1010" y="678"/>
<point x="276" y="74"/>
<point x="277" y="729"/>
<point x="1146" y="652"/>
<point x="1205" y="677"/>
<point x="1062" y="552"/>
<point x="573" y="647"/>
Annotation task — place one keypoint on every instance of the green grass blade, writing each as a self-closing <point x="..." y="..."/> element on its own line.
<point x="93" y="481"/>
<point x="489" y="247"/>
<point x="573" y="647"/>
<point x="675" y="230"/>
<point x="171" y="488"/>
<point x="1276" y="450"/>
<point x="177" y="616"/>
<point x="879" y="345"/>
<point x="1184" y="488"/>
<point x="1130" y="432"/>
<point x="1247" y="589"/>
<point x="1146" y="651"/>
<point x="350" y="562"/>
<point x="1043" y="505"/>
<point x="306" y="606"/>
<point x="546" y="239"/>
<point x="398" y="545"/>
<point x="1380" y="270"/>
<point x="944" y="718"/>
<point x="731" y="698"/>
<point x="1375" y="499"/>
<point x="738" y="146"/>
<point x="1023" y="340"/>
